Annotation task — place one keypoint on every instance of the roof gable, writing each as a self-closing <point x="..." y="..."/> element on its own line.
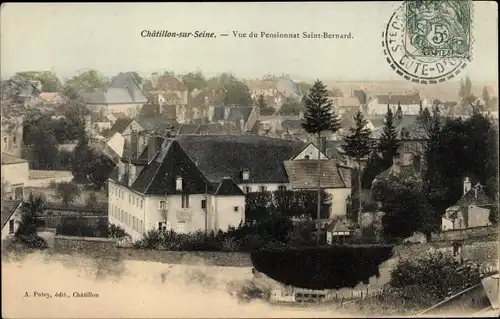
<point x="228" y="187"/>
<point x="159" y="176"/>
<point x="303" y="174"/>
<point x="306" y="150"/>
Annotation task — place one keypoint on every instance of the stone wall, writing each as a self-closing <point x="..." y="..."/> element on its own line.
<point x="88" y="246"/>
<point x="208" y="258"/>
<point x="485" y="252"/>
<point x="459" y="234"/>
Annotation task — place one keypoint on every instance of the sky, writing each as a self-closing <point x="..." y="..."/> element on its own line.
<point x="67" y="37"/>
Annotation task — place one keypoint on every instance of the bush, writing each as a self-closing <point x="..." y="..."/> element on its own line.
<point x="327" y="267"/>
<point x="33" y="241"/>
<point x="439" y="275"/>
<point x="115" y="231"/>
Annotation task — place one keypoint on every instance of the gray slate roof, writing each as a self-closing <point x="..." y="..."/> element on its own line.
<point x="219" y="156"/>
<point x="159" y="176"/>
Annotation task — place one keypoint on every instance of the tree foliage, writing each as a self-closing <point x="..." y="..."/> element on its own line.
<point x="91" y="165"/>
<point x="438" y="275"/>
<point x="68" y="192"/>
<point x="358" y="142"/>
<point x="194" y="80"/>
<point x="302" y="204"/>
<point x="48" y="79"/>
<point x="85" y="81"/>
<point x="407" y="209"/>
<point x="237" y="92"/>
<point x="319" y="115"/>
<point x="388" y="144"/>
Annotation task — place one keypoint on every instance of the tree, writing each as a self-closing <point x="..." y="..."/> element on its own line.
<point x="432" y="126"/>
<point x="194" y="80"/>
<point x="44" y="149"/>
<point x="388" y="144"/>
<point x="407" y="210"/>
<point x="67" y="192"/>
<point x="31" y="210"/>
<point x="48" y="79"/>
<point x="358" y="146"/>
<point x="85" y="81"/>
<point x="237" y="92"/>
<point x="98" y="168"/>
<point x="465" y="92"/>
<point x="486" y="96"/>
<point x="319" y="117"/>
<point x="169" y="73"/>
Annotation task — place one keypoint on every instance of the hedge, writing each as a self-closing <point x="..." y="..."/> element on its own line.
<point x="326" y="267"/>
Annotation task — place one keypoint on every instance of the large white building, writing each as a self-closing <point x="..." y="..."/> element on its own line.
<point x="198" y="182"/>
<point x="163" y="189"/>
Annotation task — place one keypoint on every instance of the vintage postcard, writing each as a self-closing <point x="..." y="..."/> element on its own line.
<point x="246" y="160"/>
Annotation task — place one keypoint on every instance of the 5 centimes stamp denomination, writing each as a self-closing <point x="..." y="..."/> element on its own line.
<point x="429" y="42"/>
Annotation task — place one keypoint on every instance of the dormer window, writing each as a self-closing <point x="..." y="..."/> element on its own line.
<point x="178" y="184"/>
<point x="246" y="174"/>
<point x="306" y="157"/>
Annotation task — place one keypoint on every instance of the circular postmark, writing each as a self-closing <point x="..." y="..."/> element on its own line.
<point x="429" y="42"/>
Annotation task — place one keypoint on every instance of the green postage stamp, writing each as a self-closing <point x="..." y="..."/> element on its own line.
<point x="429" y="41"/>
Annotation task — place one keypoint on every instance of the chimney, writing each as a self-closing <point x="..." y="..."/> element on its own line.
<point x="154" y="79"/>
<point x="476" y="189"/>
<point x="132" y="174"/>
<point x="467" y="185"/>
<point x="154" y="144"/>
<point x="301" y="115"/>
<point x="121" y="171"/>
<point x="242" y="125"/>
<point x="134" y="144"/>
<point x="227" y="109"/>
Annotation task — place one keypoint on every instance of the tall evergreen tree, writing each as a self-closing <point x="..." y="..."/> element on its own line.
<point x="358" y="146"/>
<point x="319" y="117"/>
<point x="388" y="144"/>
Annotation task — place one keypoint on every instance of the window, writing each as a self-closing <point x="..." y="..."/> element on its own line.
<point x="142" y="226"/>
<point x="11" y="226"/>
<point x="236" y="209"/>
<point x="5" y="139"/>
<point x="185" y="201"/>
<point x="306" y="157"/>
<point x="163" y="205"/>
<point x="129" y="199"/>
<point x="14" y="140"/>
<point x="282" y="188"/>
<point x="162" y="226"/>
<point x="247" y="189"/>
<point x="203" y="204"/>
<point x="141" y="203"/>
<point x="245" y="174"/>
<point x="133" y="200"/>
<point x="263" y="188"/>
<point x="178" y="184"/>
<point x="181" y="227"/>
